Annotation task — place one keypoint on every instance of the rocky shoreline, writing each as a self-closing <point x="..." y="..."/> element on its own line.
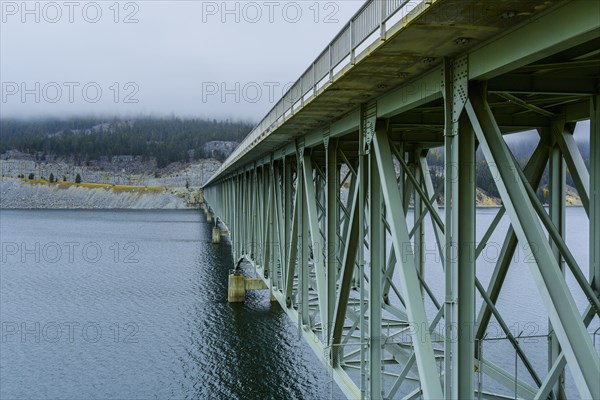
<point x="16" y="194"/>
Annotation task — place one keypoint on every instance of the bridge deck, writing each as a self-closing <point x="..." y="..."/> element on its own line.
<point x="317" y="197"/>
<point x="410" y="48"/>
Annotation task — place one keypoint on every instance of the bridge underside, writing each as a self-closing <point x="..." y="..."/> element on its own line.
<point x="336" y="207"/>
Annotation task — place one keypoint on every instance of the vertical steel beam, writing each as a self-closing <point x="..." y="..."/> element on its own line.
<point x="239" y="212"/>
<point x="234" y="223"/>
<point x="466" y="259"/>
<point x="254" y="210"/>
<point x="292" y="257"/>
<point x="377" y="258"/>
<point x="556" y="192"/>
<point x="404" y="190"/>
<point x="279" y="256"/>
<point x="430" y="191"/>
<point x="331" y="234"/>
<point x="268" y="231"/>
<point x="409" y="281"/>
<point x="452" y="111"/>
<point x="315" y="235"/>
<point x="245" y="215"/>
<point x="363" y="161"/>
<point x="401" y="178"/>
<point x="419" y="236"/>
<point x="243" y="238"/>
<point x="346" y="274"/>
<point x="288" y="211"/>
<point x="258" y="223"/>
<point x="302" y="241"/>
<point x="595" y="192"/>
<point x="563" y="313"/>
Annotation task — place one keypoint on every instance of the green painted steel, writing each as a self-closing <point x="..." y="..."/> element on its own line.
<point x="466" y="259"/>
<point x="562" y="310"/>
<point x="316" y="198"/>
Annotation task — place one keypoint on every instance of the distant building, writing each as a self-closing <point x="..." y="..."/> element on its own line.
<point x="122" y="159"/>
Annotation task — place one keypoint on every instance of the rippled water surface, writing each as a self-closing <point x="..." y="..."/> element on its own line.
<point x="133" y="304"/>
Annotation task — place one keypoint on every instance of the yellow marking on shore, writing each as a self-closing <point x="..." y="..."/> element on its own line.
<point x="118" y="188"/>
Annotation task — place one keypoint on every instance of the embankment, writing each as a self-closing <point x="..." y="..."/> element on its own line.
<point x="15" y="193"/>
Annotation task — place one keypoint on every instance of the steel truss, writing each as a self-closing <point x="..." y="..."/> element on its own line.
<point x="324" y="222"/>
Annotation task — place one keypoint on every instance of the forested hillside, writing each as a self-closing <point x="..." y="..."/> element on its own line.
<point x="168" y="140"/>
<point x="521" y="149"/>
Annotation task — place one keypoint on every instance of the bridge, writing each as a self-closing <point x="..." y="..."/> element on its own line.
<point x="329" y="196"/>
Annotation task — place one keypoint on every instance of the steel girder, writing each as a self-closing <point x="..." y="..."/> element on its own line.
<point x="563" y="313"/>
<point x="375" y="348"/>
<point x="324" y="220"/>
<point x="280" y="204"/>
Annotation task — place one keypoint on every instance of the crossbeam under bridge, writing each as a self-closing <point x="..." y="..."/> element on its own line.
<point x="330" y="198"/>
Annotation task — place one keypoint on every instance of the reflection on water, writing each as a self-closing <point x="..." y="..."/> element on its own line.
<point x="133" y="304"/>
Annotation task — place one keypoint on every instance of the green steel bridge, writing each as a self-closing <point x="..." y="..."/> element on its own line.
<point x="316" y="197"/>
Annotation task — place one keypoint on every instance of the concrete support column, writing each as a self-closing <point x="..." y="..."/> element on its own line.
<point x="236" y="292"/>
<point x="216" y="235"/>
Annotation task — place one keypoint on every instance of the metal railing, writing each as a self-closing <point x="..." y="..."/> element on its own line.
<point x="372" y="16"/>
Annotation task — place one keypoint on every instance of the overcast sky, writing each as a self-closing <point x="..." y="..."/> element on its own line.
<point x="184" y="58"/>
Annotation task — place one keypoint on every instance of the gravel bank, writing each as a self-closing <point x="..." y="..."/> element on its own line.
<point x="17" y="194"/>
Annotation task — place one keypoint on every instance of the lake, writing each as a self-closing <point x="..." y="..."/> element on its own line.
<point x="133" y="304"/>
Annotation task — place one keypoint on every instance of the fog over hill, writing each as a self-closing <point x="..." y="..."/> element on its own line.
<point x="165" y="140"/>
<point x="179" y="152"/>
<point x="522" y="145"/>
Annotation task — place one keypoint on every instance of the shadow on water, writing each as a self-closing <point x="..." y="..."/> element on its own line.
<point x="254" y="350"/>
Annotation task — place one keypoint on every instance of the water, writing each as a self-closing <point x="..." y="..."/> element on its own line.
<point x="519" y="302"/>
<point x="133" y="304"/>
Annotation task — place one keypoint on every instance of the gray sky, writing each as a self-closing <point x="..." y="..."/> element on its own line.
<point x="186" y="58"/>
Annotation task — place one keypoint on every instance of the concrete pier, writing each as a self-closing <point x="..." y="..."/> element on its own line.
<point x="216" y="235"/>
<point x="238" y="285"/>
<point x="236" y="292"/>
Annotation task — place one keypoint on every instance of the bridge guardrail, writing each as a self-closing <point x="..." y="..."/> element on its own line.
<point x="372" y="16"/>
